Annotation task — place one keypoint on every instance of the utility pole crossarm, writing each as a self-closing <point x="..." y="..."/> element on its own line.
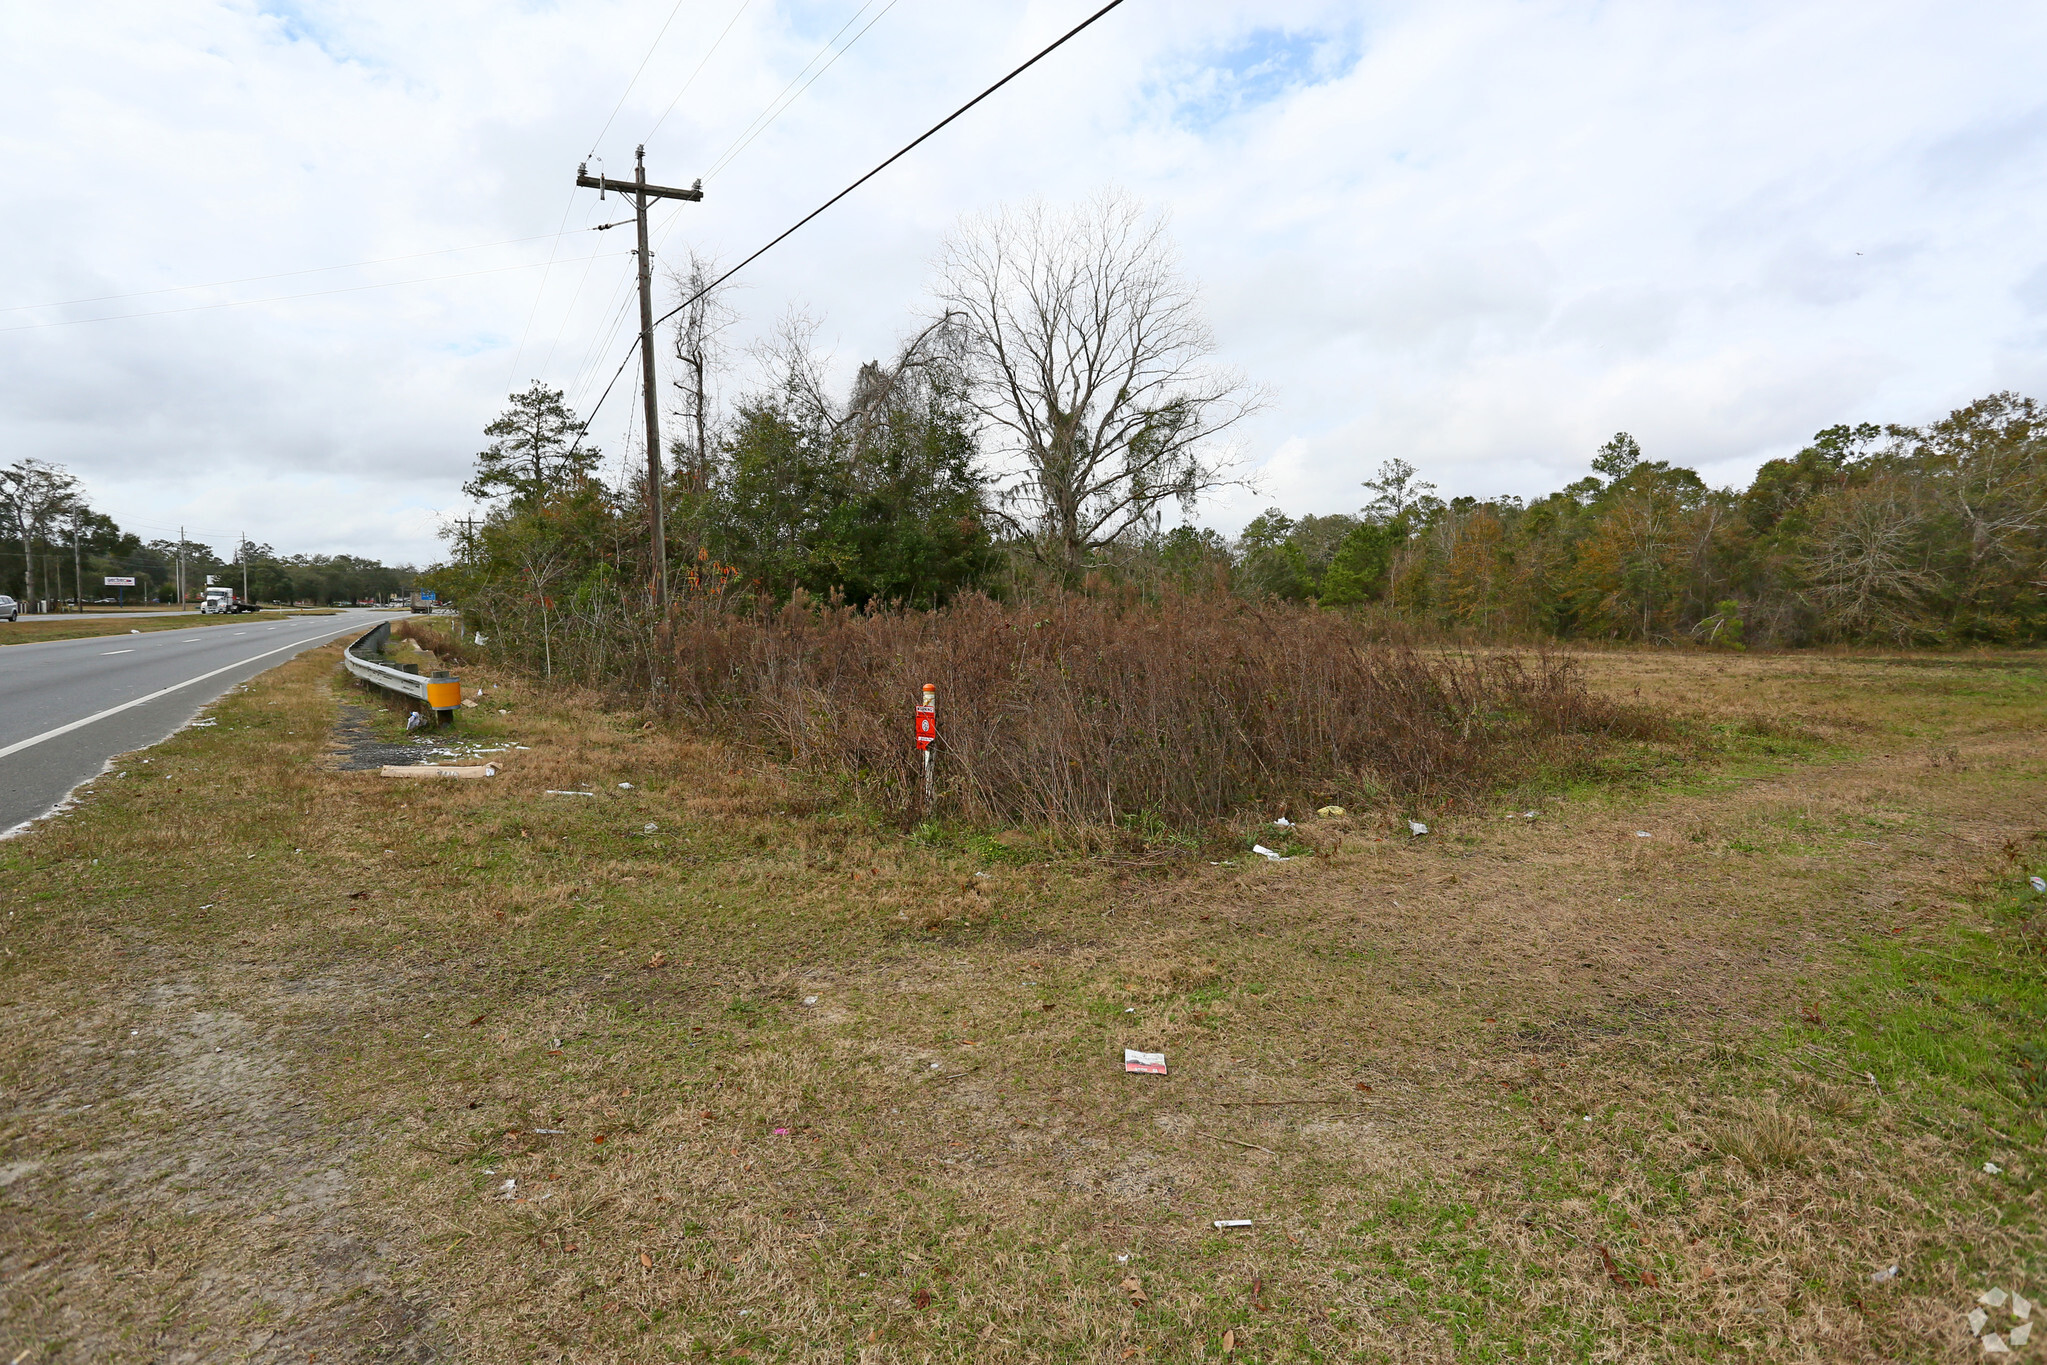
<point x="694" y="194"/>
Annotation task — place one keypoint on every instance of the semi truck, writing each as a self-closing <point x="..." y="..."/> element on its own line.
<point x="221" y="601"/>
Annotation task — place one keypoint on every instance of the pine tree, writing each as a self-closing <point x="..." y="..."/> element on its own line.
<point x="533" y="450"/>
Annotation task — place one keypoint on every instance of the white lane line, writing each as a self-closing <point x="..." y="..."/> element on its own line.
<point x="32" y="740"/>
<point x="117" y="651"/>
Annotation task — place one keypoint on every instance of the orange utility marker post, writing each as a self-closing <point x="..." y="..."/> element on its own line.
<point x="927" y="735"/>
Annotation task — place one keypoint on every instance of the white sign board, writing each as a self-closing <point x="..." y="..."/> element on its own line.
<point x="120" y="582"/>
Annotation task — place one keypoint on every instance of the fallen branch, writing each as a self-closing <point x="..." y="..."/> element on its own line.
<point x="1233" y="1142"/>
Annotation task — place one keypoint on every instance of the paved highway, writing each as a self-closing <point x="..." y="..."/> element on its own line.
<point x="67" y="706"/>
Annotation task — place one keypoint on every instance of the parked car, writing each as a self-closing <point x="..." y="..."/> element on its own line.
<point x="9" y="608"/>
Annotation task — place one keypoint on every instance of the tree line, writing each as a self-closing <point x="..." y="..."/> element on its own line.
<point x="1895" y="534"/>
<point x="1058" y="402"/>
<point x="55" y="547"/>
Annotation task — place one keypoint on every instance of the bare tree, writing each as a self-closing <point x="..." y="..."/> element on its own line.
<point x="1865" y="560"/>
<point x="699" y="328"/>
<point x="34" y="497"/>
<point x="1087" y="357"/>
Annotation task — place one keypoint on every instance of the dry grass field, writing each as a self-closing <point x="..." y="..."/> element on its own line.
<point x="305" y="1064"/>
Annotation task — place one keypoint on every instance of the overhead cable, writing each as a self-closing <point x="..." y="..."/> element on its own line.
<point x="287" y="274"/>
<point x="696" y="73"/>
<point x="783" y="99"/>
<point x="919" y="141"/>
<point x="912" y="146"/>
<point x="636" y="76"/>
<point x="281" y="298"/>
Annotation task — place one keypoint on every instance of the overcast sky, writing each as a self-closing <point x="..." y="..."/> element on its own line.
<point x="1478" y="236"/>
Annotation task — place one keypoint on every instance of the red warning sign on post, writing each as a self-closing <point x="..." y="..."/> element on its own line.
<point x="927" y="726"/>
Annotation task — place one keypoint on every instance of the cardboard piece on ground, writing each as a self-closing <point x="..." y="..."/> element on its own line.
<point x="1147" y="1063"/>
<point x="431" y="770"/>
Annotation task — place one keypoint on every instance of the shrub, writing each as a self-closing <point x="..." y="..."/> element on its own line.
<point x="1080" y="711"/>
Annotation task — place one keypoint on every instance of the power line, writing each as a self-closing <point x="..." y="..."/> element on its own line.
<point x="909" y="147"/>
<point x="281" y="298"/>
<point x="698" y="72"/>
<point x="582" y="283"/>
<point x="919" y="141"/>
<point x="772" y="112"/>
<point x="636" y="76"/>
<point x="287" y="274"/>
<point x="540" y="292"/>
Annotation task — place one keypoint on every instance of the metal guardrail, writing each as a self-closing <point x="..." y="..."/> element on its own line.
<point x="442" y="692"/>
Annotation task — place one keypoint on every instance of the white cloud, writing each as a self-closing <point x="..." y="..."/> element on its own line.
<point x="1481" y="237"/>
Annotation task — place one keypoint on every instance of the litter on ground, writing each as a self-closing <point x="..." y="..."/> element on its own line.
<point x="1225" y="1224"/>
<point x="1147" y="1063"/>
<point x="2039" y="884"/>
<point x="1884" y="1276"/>
<point x="1993" y="1345"/>
<point x="552" y="792"/>
<point x="1330" y="812"/>
<point x="2021" y="1334"/>
<point x="1977" y="1317"/>
<point x="2021" y="1306"/>
<point x="1992" y="1168"/>
<point x="1417" y="827"/>
<point x="1991" y="1298"/>
<point x="1641" y="834"/>
<point x="1265" y="852"/>
<point x="625" y="786"/>
<point x="434" y="770"/>
<point x="1284" y="823"/>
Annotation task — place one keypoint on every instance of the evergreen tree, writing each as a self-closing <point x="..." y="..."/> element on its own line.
<point x="533" y="450"/>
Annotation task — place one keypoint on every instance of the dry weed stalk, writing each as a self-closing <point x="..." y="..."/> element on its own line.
<point x="1764" y="1139"/>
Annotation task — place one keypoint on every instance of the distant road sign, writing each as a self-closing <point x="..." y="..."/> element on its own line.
<point x="429" y="597"/>
<point x="120" y="582"/>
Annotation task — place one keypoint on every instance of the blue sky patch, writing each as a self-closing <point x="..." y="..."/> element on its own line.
<point x="1264" y="66"/>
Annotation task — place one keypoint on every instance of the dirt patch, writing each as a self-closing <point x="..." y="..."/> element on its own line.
<point x="190" y="1203"/>
<point x="359" y="747"/>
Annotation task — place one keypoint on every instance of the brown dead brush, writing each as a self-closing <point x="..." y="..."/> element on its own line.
<point x="438" y="640"/>
<point x="1077" y="711"/>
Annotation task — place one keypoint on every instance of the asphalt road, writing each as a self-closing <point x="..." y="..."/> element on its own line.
<point x="67" y="706"/>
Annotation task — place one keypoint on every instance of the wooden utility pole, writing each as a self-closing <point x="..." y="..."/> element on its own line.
<point x="641" y="192"/>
